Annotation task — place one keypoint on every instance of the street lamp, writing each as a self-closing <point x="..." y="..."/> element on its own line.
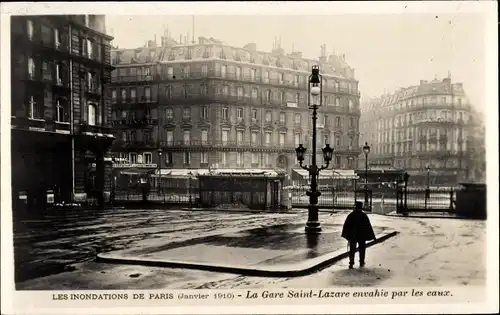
<point x="160" y="152"/>
<point x="315" y="97"/>
<point x="428" y="168"/>
<point x="366" y="150"/>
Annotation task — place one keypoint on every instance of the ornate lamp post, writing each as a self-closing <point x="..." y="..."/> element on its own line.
<point x="315" y="97"/>
<point x="427" y="189"/>
<point x="366" y="150"/>
<point x="160" y="152"/>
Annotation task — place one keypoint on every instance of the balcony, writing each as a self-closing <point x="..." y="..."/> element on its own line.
<point x="24" y="122"/>
<point x="86" y="129"/>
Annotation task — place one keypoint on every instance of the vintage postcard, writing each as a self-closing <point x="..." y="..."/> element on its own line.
<point x="249" y="158"/>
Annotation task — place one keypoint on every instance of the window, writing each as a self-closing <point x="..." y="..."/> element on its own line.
<point x="133" y="158"/>
<point x="267" y="158"/>
<point x="92" y="82"/>
<point x="282" y="118"/>
<point x="298" y="119"/>
<point x="61" y="112"/>
<point x="204" y="70"/>
<point x="224" y="158"/>
<point x="254" y="137"/>
<point x="34" y="111"/>
<point x="148" y="158"/>
<point x="187" y="137"/>
<point x="239" y="136"/>
<point x="281" y="78"/>
<point x="296" y="80"/>
<point x="203" y="89"/>
<point x="238" y="72"/>
<point x="282" y="138"/>
<point x="57" y="38"/>
<point x="225" y="90"/>
<point x="147" y="73"/>
<point x="282" y="97"/>
<point x="267" y="137"/>
<point x="252" y="74"/>
<point x="169" y="113"/>
<point x="268" y="96"/>
<point x="204" y="112"/>
<point x="325" y="120"/>
<point x="239" y="113"/>
<point x="225" y="136"/>
<point x="297" y="139"/>
<point x="239" y="158"/>
<point x="204" y="157"/>
<point x="170" y="73"/>
<point x="326" y="139"/>
<point x="91" y="114"/>
<point x="113" y="95"/>
<point x="254" y="114"/>
<point x="255" y="93"/>
<point x="351" y="105"/>
<point x="133" y="94"/>
<point x="90" y="53"/>
<point x="30" y="29"/>
<point x="268" y="116"/>
<point x="239" y="92"/>
<point x="337" y="161"/>
<point x="186" y="72"/>
<point x="337" y="101"/>
<point x="46" y="71"/>
<point x="123" y="94"/>
<point x="147" y="94"/>
<point x="255" y="158"/>
<point x="204" y="136"/>
<point x="351" y="122"/>
<point x="186" y="113"/>
<point x="187" y="158"/>
<point x="337" y="141"/>
<point x="265" y="76"/>
<point x="225" y="113"/>
<point x="133" y="135"/>
<point x="170" y="137"/>
<point x="223" y="70"/>
<point x="339" y="121"/>
<point x="169" y="158"/>
<point x="31" y="68"/>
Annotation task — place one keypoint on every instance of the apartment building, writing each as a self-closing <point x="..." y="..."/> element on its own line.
<point x="208" y="104"/>
<point x="60" y="124"/>
<point x="424" y="126"/>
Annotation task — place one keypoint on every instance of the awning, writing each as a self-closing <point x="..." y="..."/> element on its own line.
<point x="185" y="173"/>
<point x="329" y="173"/>
<point x="136" y="171"/>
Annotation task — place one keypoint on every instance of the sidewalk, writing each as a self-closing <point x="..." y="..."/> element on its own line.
<point x="282" y="250"/>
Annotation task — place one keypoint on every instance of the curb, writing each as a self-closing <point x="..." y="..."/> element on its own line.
<point x="432" y="217"/>
<point x="322" y="263"/>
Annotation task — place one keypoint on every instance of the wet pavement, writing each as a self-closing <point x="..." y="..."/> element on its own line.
<point x="52" y="243"/>
<point x="429" y="252"/>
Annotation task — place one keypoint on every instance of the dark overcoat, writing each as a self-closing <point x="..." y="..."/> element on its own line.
<point x="357" y="227"/>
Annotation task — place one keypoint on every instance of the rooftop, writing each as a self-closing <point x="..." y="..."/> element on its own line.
<point x="171" y="50"/>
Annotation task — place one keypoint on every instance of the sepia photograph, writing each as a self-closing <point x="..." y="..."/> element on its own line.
<point x="210" y="157"/>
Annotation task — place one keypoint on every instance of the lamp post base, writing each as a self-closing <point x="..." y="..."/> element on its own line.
<point x="313" y="226"/>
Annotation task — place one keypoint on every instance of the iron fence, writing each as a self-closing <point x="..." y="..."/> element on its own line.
<point x="418" y="199"/>
<point x="170" y="196"/>
<point x="331" y="197"/>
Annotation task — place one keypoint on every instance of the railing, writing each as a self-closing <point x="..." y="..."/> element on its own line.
<point x="423" y="199"/>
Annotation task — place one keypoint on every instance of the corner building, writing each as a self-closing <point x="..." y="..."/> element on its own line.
<point x="425" y="125"/>
<point x="207" y="104"/>
<point x="60" y="116"/>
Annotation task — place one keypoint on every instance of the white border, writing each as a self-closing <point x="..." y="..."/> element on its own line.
<point x="487" y="8"/>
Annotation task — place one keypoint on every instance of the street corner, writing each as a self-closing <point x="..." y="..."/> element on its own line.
<point x="283" y="250"/>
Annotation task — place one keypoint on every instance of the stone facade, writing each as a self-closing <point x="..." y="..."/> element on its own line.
<point x="209" y="104"/>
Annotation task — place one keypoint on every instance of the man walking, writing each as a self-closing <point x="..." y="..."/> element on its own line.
<point x="357" y="230"/>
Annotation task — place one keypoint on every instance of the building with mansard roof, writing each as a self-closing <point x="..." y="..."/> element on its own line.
<point x="209" y="104"/>
<point x="430" y="124"/>
<point x="60" y="124"/>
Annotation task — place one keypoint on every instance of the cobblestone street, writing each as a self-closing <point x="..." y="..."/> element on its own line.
<point x="57" y="252"/>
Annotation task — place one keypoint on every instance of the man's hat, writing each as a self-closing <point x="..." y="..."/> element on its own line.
<point x="358" y="205"/>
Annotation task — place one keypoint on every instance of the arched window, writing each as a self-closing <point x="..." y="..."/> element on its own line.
<point x="91" y="114"/>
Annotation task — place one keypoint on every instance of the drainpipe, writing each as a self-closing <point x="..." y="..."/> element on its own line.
<point x="73" y="175"/>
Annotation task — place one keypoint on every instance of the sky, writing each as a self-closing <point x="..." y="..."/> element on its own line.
<point x="387" y="51"/>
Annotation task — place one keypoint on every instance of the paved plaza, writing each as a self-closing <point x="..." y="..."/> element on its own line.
<point x="59" y="250"/>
